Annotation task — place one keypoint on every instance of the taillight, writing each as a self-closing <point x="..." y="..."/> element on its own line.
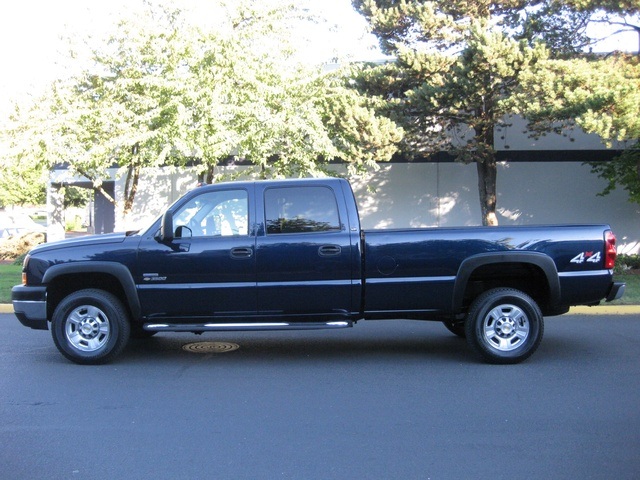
<point x="610" y="249"/>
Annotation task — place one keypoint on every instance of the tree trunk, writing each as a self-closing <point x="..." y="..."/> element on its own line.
<point x="211" y="170"/>
<point x="487" y="174"/>
<point x="486" y="164"/>
<point x="131" y="188"/>
<point x="131" y="182"/>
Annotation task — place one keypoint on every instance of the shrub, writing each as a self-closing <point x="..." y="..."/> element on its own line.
<point x="624" y="263"/>
<point x="16" y="247"/>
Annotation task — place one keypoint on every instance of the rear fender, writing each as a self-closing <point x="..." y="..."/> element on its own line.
<point x="471" y="264"/>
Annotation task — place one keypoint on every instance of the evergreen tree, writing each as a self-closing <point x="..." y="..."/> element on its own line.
<point x="460" y="64"/>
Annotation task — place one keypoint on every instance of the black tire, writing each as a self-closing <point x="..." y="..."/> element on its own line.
<point x="504" y="326"/>
<point x="90" y="327"/>
<point x="456" y="327"/>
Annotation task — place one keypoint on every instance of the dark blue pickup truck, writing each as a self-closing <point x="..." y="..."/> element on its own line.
<point x="291" y="254"/>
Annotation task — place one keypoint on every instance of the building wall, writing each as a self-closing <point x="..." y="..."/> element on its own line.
<point x="405" y="195"/>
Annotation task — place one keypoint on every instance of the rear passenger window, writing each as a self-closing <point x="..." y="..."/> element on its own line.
<point x="300" y="210"/>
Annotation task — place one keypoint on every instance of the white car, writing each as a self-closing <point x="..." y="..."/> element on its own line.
<point x="14" y="224"/>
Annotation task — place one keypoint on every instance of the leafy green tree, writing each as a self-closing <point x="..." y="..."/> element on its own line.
<point x="601" y="96"/>
<point x="164" y="91"/>
<point x="127" y="111"/>
<point x="123" y="111"/>
<point x="253" y="99"/>
<point x="22" y="176"/>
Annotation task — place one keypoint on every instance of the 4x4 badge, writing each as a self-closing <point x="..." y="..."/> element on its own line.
<point x="590" y="257"/>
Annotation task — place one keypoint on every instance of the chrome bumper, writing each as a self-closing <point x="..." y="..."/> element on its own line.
<point x="617" y="290"/>
<point x="30" y="306"/>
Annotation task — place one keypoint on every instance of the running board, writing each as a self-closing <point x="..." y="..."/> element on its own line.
<point x="235" y="327"/>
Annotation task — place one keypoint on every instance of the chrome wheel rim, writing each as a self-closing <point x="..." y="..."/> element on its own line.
<point x="506" y="327"/>
<point x="87" y="328"/>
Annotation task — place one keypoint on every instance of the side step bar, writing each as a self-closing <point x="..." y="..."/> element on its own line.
<point x="235" y="327"/>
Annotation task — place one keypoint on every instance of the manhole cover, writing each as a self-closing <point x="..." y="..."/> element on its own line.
<point x="210" y="347"/>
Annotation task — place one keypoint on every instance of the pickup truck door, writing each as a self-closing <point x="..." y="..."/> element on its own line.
<point x="304" y="255"/>
<point x="208" y="270"/>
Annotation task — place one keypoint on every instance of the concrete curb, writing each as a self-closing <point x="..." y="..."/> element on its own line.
<point x="599" y="310"/>
<point x="606" y="310"/>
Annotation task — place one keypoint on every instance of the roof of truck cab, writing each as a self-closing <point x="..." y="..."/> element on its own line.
<point x="273" y="182"/>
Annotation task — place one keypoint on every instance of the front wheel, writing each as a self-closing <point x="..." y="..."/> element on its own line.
<point x="90" y="327"/>
<point x="504" y="326"/>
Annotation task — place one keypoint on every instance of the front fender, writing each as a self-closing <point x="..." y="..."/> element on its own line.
<point x="118" y="270"/>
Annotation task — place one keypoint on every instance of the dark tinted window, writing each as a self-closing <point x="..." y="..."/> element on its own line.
<point x="301" y="209"/>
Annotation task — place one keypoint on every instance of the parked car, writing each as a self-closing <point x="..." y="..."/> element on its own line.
<point x="14" y="224"/>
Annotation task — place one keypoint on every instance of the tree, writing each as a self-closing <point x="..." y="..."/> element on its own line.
<point x="123" y="110"/>
<point x="126" y="110"/>
<point x="22" y="176"/>
<point x="598" y="93"/>
<point x="601" y="96"/>
<point x="618" y="118"/>
<point x="165" y="90"/>
<point x="263" y="105"/>
<point x="459" y="64"/>
<point x="358" y="133"/>
<point x="455" y="70"/>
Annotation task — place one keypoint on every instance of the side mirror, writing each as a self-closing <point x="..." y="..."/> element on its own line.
<point x="166" y="227"/>
<point x="182" y="231"/>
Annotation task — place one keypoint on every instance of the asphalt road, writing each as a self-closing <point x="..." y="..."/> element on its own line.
<point x="384" y="400"/>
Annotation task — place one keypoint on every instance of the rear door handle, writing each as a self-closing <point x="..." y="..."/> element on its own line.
<point x="241" y="252"/>
<point x="329" y="250"/>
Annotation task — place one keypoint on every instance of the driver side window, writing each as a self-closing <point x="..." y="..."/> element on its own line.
<point x="214" y="214"/>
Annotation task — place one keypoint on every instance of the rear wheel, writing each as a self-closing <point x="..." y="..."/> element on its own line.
<point x="90" y="327"/>
<point x="504" y="326"/>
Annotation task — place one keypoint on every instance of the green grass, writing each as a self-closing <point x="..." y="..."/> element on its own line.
<point x="10" y="275"/>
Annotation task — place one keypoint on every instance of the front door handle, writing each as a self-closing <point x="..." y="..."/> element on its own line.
<point x="241" y="252"/>
<point x="329" y="250"/>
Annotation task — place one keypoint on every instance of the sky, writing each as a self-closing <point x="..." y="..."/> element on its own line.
<point x="30" y="32"/>
<point x="30" y="43"/>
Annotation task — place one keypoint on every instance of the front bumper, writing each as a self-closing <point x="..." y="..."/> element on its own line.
<point x="617" y="290"/>
<point x="30" y="306"/>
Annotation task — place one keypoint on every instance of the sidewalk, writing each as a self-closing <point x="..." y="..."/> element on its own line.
<point x="599" y="310"/>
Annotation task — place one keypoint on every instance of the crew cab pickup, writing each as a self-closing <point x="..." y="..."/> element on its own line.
<point x="290" y="254"/>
